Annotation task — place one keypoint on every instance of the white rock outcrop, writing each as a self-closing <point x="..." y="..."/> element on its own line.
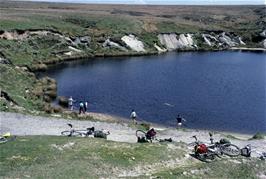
<point x="169" y="40"/>
<point x="186" y="40"/>
<point x="109" y="43"/>
<point x="227" y="40"/>
<point x="133" y="43"/>
<point x="159" y="49"/>
<point x="209" y="39"/>
<point x="173" y="42"/>
<point x="263" y="34"/>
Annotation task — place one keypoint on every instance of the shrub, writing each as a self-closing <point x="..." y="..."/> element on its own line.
<point x="258" y="135"/>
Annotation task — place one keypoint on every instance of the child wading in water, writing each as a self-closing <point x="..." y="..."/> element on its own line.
<point x="179" y="120"/>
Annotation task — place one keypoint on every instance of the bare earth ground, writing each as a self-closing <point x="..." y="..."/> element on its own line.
<point x="20" y="124"/>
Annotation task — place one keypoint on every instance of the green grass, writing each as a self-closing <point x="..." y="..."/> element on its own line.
<point x="218" y="169"/>
<point x="15" y="82"/>
<point x="66" y="157"/>
<point x="38" y="157"/>
<point x="38" y="21"/>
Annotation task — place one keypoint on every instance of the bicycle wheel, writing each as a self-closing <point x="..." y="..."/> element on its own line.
<point x="215" y="150"/>
<point x="85" y="133"/>
<point x="140" y="133"/>
<point x="3" y="140"/>
<point x="230" y="150"/>
<point x="71" y="133"/>
<point x="207" y="157"/>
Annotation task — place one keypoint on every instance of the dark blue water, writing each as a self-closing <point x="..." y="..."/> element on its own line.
<point x="213" y="90"/>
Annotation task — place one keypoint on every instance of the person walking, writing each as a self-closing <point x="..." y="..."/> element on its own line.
<point x="133" y="116"/>
<point x="70" y="103"/>
<point x="179" y="120"/>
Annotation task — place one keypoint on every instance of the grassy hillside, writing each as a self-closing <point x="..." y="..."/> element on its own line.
<point x="114" y="21"/>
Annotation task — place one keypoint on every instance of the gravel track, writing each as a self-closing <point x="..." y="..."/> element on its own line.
<point x="21" y="125"/>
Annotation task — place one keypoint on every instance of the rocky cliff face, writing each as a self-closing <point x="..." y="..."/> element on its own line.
<point x="133" y="43"/>
<point x="110" y="44"/>
<point x="222" y="40"/>
<point x="173" y="41"/>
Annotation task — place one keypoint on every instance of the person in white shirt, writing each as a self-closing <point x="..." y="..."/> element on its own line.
<point x="133" y="116"/>
<point x="70" y="103"/>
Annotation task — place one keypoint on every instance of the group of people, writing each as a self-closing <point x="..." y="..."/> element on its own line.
<point x="83" y="105"/>
<point x="179" y="118"/>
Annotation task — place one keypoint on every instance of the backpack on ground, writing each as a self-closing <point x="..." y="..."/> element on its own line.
<point x="246" y="151"/>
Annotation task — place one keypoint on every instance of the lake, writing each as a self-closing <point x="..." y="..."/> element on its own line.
<point x="223" y="91"/>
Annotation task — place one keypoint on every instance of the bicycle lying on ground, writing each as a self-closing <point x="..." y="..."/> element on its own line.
<point x="225" y="147"/>
<point x="6" y="137"/>
<point x="85" y="133"/>
<point x="206" y="153"/>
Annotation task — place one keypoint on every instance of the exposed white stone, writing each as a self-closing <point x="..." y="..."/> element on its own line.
<point x="209" y="39"/>
<point x="109" y="43"/>
<point x="186" y="40"/>
<point x="263" y="34"/>
<point x="227" y="40"/>
<point x="159" y="49"/>
<point x="172" y="42"/>
<point x="133" y="43"/>
<point x="74" y="49"/>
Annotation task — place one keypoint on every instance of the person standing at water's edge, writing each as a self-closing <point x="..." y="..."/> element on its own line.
<point x="70" y="103"/>
<point x="81" y="107"/>
<point x="85" y="106"/>
<point x="179" y="120"/>
<point x="133" y="116"/>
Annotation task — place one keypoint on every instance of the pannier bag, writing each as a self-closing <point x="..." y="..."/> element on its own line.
<point x="100" y="134"/>
<point x="201" y="149"/>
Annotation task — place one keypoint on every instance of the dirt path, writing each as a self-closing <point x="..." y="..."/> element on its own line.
<point x="20" y="124"/>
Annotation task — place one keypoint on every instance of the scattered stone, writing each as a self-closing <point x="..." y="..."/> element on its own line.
<point x="4" y="61"/>
<point x="74" y="49"/>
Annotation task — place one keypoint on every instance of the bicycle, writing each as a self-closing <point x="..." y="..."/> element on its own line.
<point x="6" y="137"/>
<point x="202" y="151"/>
<point x="85" y="133"/>
<point x="224" y="147"/>
<point x="72" y="132"/>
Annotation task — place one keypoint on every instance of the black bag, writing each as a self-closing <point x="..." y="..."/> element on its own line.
<point x="100" y="134"/>
<point x="142" y="140"/>
<point x="224" y="141"/>
<point x="246" y="151"/>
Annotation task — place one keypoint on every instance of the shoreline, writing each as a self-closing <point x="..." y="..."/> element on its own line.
<point x="53" y="62"/>
<point x="111" y="118"/>
<point x="247" y="49"/>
